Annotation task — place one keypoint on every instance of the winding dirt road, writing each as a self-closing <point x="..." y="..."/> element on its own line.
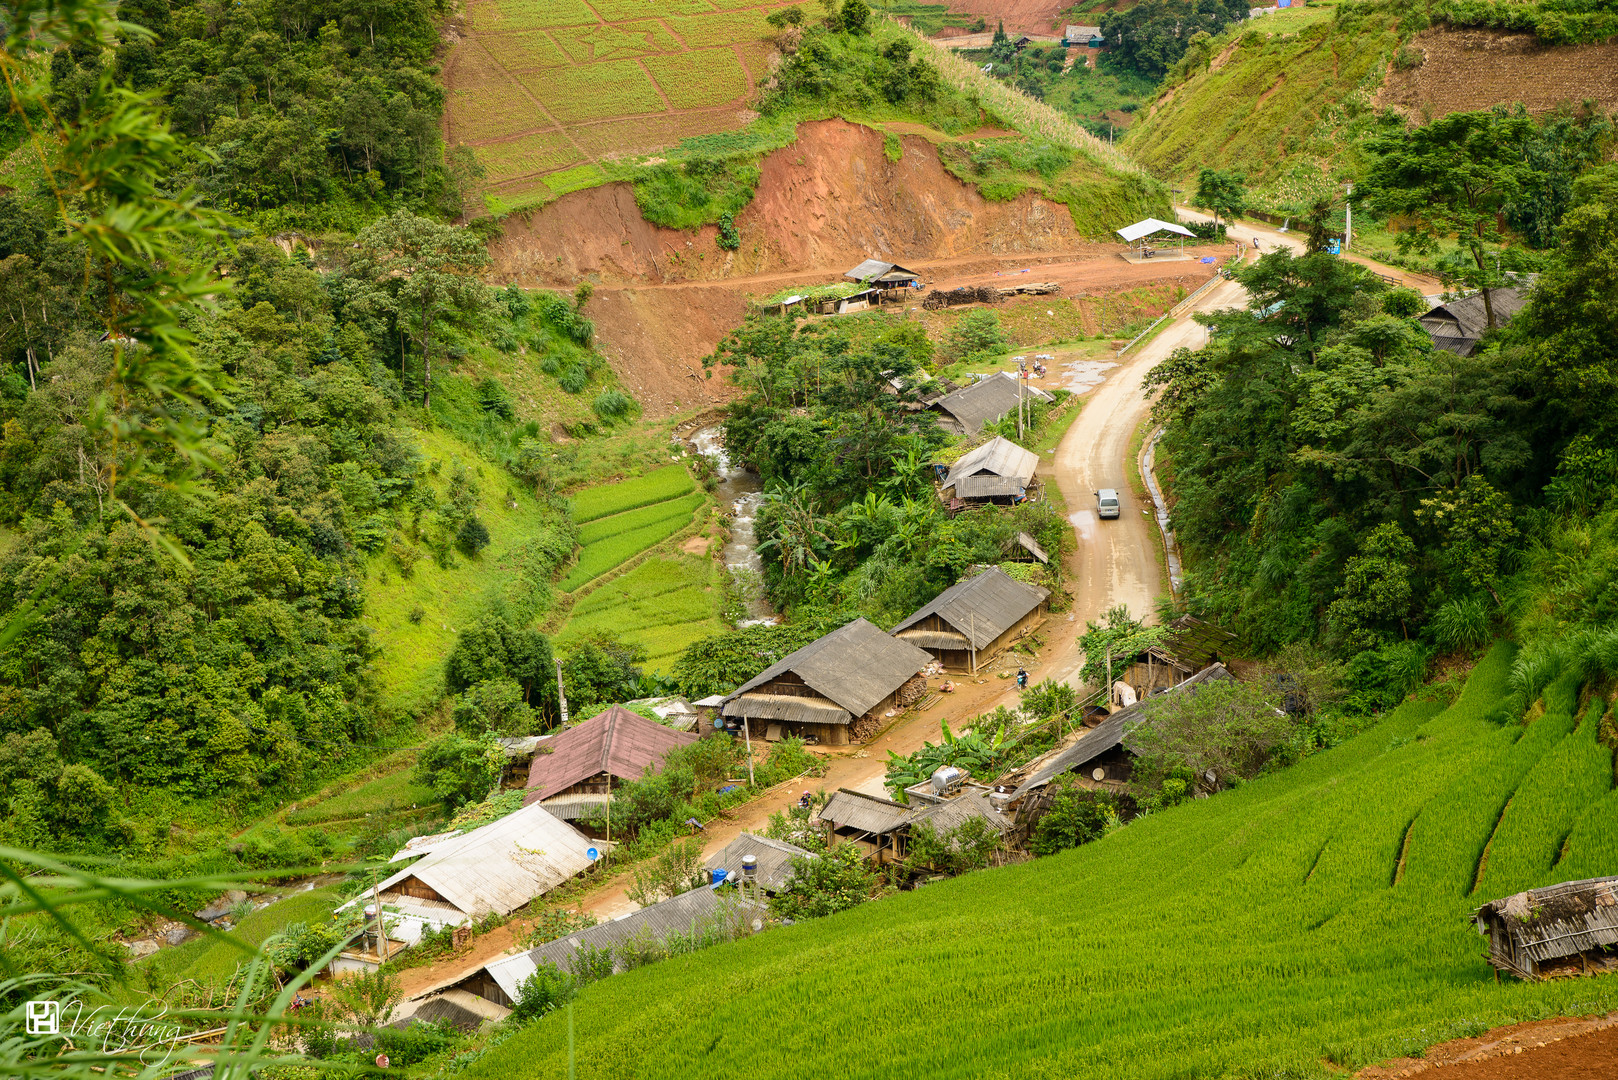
<point x="1272" y="238"/>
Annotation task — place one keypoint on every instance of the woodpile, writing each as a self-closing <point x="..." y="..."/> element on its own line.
<point x="979" y="294"/>
<point x="911" y="692"/>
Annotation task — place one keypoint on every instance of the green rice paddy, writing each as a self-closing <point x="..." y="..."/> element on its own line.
<point x="621" y="520"/>
<point x="664" y="604"/>
<point x="1311" y="921"/>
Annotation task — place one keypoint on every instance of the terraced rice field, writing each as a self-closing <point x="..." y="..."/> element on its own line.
<point x="1302" y="925"/>
<point x="619" y="521"/>
<point x="664" y="604"/>
<point x="541" y="89"/>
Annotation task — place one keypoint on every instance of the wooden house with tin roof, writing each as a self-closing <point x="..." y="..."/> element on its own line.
<point x="975" y="619"/>
<point x="1560" y="930"/>
<point x="832" y="688"/>
<point x="575" y="780"/>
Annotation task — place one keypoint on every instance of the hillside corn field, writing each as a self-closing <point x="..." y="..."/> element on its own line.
<point x="1313" y="920"/>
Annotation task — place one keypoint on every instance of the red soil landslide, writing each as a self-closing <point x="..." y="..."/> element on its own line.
<point x="1563" y="1049"/>
<point x="832" y="199"/>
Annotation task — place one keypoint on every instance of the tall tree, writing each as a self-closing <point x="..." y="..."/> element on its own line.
<point x="1455" y="177"/>
<point x="1223" y="193"/>
<point x="421" y="272"/>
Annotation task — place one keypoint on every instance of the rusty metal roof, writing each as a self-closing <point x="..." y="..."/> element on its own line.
<point x="617" y="742"/>
<point x="854" y="666"/>
<point x="981" y="607"/>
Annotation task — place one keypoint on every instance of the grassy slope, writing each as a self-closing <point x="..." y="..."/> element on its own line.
<point x="409" y="669"/>
<point x="1281" y="109"/>
<point x="1254" y="933"/>
<point x="209" y="960"/>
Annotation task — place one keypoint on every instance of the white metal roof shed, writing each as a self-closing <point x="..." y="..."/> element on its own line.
<point x="1134" y="232"/>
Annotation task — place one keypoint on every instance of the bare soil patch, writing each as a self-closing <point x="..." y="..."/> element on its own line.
<point x="1475" y="69"/>
<point x="1561" y="1049"/>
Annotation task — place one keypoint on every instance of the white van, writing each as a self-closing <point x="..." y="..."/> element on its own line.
<point x="1107" y="503"/>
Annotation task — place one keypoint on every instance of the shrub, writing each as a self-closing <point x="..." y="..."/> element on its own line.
<point x="418" y="1042"/>
<point x="473" y="536"/>
<point x="1076" y="816"/>
<point x="548" y="988"/>
<point x="826" y="884"/>
<point x="729" y="239"/>
<point x="612" y="404"/>
<point x="458" y="769"/>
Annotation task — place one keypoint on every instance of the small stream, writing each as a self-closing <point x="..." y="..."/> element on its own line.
<point x="741" y="488"/>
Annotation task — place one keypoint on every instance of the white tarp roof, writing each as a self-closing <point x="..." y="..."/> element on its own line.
<point x="1134" y="232"/>
<point x="501" y="866"/>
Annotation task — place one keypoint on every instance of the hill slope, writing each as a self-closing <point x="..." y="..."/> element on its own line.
<point x="1314" y="915"/>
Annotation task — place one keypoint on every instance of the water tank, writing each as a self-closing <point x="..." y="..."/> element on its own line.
<point x="749" y="867"/>
<point x="947" y="779"/>
<point x="719" y="873"/>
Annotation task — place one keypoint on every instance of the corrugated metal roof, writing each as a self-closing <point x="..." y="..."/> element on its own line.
<point x="934" y="639"/>
<point x="1109" y="734"/>
<point x="577" y="807"/>
<point x="788" y="707"/>
<point x="692" y="911"/>
<point x="868" y="813"/>
<point x="774" y="859"/>
<point x="986" y="401"/>
<point x="997" y="457"/>
<point x="417" y="846"/>
<point x="617" y="742"/>
<point x="1030" y="545"/>
<point x="971" y="803"/>
<point x="876" y="269"/>
<point x="982" y="607"/>
<point x="503" y="865"/>
<point x="988" y="487"/>
<point x="1559" y="920"/>
<point x="1471" y="319"/>
<point x="855" y="666"/>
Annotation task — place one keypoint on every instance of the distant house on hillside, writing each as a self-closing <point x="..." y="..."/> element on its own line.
<point x="833" y="688"/>
<point x="497" y="868"/>
<point x="721" y="911"/>
<point x="974" y="619"/>
<point x="1083" y="37"/>
<point x="999" y="471"/>
<point x="984" y="402"/>
<point x="1100" y="755"/>
<point x="576" y="779"/>
<point x="1566" y="929"/>
<point x="884" y="275"/>
<point x="1458" y="325"/>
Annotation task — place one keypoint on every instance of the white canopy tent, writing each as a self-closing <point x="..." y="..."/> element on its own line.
<point x="1142" y="231"/>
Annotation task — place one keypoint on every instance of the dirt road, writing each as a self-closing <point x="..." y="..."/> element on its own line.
<point x="1272" y="238"/>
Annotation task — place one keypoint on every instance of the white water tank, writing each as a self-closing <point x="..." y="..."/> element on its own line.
<point x="947" y="779"/>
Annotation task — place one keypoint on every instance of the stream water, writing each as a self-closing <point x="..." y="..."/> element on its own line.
<point x="740" y="487"/>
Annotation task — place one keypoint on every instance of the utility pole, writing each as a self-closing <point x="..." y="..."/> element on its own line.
<point x="1348" y="227"/>
<point x="561" y="693"/>
<point x="747" y="734"/>
<point x="972" y="628"/>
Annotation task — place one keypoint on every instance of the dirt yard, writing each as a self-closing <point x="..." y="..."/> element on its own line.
<point x="1580" y="1048"/>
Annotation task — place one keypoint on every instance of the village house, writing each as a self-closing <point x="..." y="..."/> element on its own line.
<point x="1100" y="756"/>
<point x="975" y="619"/>
<point x="965" y="411"/>
<point x="1566" y="929"/>
<point x="1024" y="548"/>
<point x="576" y="779"/>
<point x="884" y="275"/>
<point x="999" y="471"/>
<point x="721" y="911"/>
<point x="882" y="827"/>
<point x="772" y="861"/>
<point x="460" y="878"/>
<point x="1083" y="37"/>
<point x="1458" y="326"/>
<point x="834" y="690"/>
<point x="1189" y="646"/>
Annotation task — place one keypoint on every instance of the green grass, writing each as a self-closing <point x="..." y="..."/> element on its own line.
<point x="1282" y="104"/>
<point x="702" y="77"/>
<point x="1257" y="933"/>
<point x="384" y="794"/>
<point x="208" y="960"/>
<point x="668" y="482"/>
<point x="513" y="571"/>
<point x="664" y="604"/>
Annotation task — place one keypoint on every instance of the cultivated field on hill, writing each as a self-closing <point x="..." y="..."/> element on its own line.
<point x="1308" y="922"/>
<point x="542" y="89"/>
<point x="619" y="521"/>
